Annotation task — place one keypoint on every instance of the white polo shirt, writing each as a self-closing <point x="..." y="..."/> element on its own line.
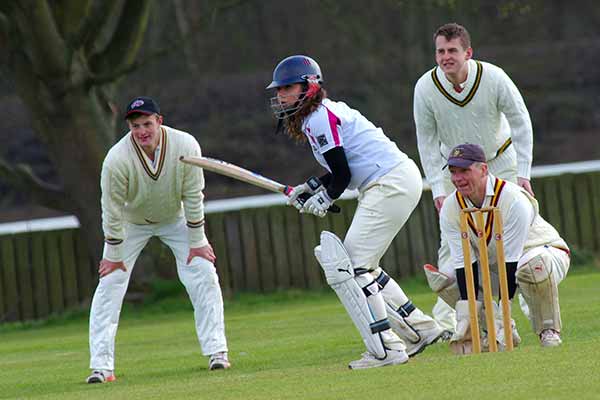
<point x="370" y="153"/>
<point x="518" y="215"/>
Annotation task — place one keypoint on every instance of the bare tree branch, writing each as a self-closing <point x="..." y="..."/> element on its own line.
<point x="4" y="35"/>
<point x="67" y="14"/>
<point x="91" y="24"/>
<point x="47" y="45"/>
<point x="3" y="22"/>
<point x="117" y="72"/>
<point x="22" y="178"/>
<point x="226" y="6"/>
<point x="184" y="29"/>
<point x="126" y="40"/>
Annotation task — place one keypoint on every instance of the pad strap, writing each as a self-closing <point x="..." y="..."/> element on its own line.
<point x="371" y="289"/>
<point x="382" y="279"/>
<point x="380" y="326"/>
<point x="406" y="309"/>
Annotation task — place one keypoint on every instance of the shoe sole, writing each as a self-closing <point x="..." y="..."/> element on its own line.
<point x="98" y="380"/>
<point x="218" y="367"/>
<point x="396" y="361"/>
<point x="553" y="344"/>
<point x="421" y="348"/>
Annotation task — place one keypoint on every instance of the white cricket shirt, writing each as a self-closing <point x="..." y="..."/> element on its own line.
<point x="524" y="228"/>
<point x="370" y="153"/>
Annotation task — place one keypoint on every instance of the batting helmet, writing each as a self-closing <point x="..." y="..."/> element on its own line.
<point x="296" y="69"/>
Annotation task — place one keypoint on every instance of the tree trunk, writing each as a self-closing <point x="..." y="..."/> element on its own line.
<point x="74" y="126"/>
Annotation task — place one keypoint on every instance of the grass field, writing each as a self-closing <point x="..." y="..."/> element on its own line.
<point x="296" y="346"/>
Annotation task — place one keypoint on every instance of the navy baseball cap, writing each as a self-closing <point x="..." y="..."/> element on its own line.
<point x="142" y="105"/>
<point x="463" y="155"/>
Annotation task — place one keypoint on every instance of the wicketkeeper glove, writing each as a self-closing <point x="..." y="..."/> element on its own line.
<point x="303" y="192"/>
<point x="317" y="204"/>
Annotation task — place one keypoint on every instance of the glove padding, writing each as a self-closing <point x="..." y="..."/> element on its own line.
<point x="294" y="198"/>
<point x="303" y="192"/>
<point x="317" y="204"/>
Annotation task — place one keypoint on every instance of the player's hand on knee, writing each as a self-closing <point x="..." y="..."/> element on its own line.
<point x="317" y="204"/>
<point x="205" y="252"/>
<point x="106" y="267"/>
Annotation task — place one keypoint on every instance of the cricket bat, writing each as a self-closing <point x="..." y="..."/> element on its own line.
<point x="241" y="174"/>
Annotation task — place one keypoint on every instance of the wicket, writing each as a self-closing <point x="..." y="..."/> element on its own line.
<point x="485" y="274"/>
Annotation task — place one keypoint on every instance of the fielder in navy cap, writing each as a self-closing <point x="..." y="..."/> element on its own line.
<point x="142" y="105"/>
<point x="464" y="155"/>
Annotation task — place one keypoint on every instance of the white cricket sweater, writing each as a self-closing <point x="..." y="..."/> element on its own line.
<point x="488" y="112"/>
<point x="136" y="191"/>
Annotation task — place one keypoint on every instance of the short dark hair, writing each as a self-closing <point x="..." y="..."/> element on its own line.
<point x="452" y="31"/>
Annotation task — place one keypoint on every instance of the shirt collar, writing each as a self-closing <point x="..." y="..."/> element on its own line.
<point x="489" y="186"/>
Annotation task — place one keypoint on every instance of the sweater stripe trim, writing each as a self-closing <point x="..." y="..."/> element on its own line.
<point x="472" y="92"/>
<point x="198" y="224"/>
<point x="161" y="160"/>
<point x="113" y="242"/>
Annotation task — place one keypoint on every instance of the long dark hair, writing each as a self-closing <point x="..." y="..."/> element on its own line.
<point x="293" y="124"/>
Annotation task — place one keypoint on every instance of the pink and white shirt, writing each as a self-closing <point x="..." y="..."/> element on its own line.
<point x="370" y="153"/>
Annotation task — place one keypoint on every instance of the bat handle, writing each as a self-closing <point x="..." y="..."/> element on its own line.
<point x="287" y="190"/>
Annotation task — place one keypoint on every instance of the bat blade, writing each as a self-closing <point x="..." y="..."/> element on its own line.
<point x="236" y="172"/>
<point x="241" y="174"/>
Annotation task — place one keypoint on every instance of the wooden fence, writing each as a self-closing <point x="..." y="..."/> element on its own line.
<point x="263" y="249"/>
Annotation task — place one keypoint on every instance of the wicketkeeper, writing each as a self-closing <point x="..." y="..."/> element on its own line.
<point x="537" y="258"/>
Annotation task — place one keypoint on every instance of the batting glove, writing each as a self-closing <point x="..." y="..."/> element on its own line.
<point x="303" y="192"/>
<point x="317" y="204"/>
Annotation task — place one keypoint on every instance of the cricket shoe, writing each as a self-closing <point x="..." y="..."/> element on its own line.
<point x="446" y="336"/>
<point x="428" y="337"/>
<point x="219" y="361"/>
<point x="101" y="376"/>
<point x="550" y="338"/>
<point x="368" y="360"/>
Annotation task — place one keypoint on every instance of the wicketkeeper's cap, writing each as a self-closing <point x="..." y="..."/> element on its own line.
<point x="463" y="155"/>
<point x="142" y="105"/>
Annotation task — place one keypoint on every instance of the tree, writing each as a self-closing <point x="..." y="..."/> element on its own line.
<point x="65" y="59"/>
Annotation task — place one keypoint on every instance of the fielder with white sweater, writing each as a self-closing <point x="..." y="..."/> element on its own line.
<point x="466" y="101"/>
<point x="488" y="111"/>
<point x="147" y="192"/>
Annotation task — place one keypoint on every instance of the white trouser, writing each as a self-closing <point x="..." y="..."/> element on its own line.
<point x="561" y="262"/>
<point x="540" y="288"/>
<point x="199" y="278"/>
<point x="504" y="167"/>
<point x="383" y="208"/>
